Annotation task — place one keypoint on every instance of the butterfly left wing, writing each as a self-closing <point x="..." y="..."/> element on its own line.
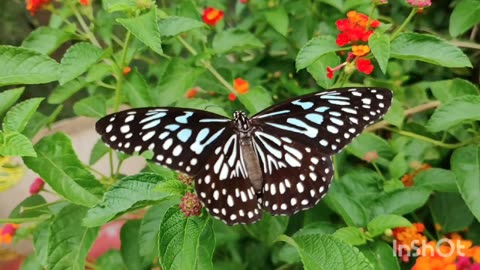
<point x="329" y="120"/>
<point x="179" y="138"/>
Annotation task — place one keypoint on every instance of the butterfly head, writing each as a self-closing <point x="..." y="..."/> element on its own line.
<point x="242" y="123"/>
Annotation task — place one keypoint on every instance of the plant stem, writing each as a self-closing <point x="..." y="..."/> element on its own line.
<point x="24" y="220"/>
<point x="404" y="24"/>
<point x="85" y="28"/>
<point x="378" y="171"/>
<point x="28" y="208"/>
<point x="430" y="140"/>
<point x="121" y="65"/>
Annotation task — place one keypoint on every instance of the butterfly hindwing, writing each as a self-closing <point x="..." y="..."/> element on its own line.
<point x="178" y="138"/>
<point x="330" y="119"/>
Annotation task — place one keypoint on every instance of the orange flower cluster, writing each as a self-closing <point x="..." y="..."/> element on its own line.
<point x="84" y="2"/>
<point x="191" y="93"/>
<point x="408" y="178"/>
<point x="453" y="253"/>
<point x="241" y="87"/>
<point x="7" y="233"/>
<point x="35" y="5"/>
<point x="355" y="30"/>
<point x="410" y="237"/>
<point x="212" y="16"/>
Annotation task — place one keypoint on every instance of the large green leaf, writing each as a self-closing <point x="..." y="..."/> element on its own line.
<point x="137" y="90"/>
<point x="278" y="19"/>
<point x="145" y="28"/>
<point x="16" y="144"/>
<point x="46" y="39"/>
<point x="173" y="25"/>
<point x="447" y="90"/>
<point x="352" y="235"/>
<point x="60" y="167"/>
<point x="379" y="224"/>
<point x="69" y="241"/>
<point x="41" y="234"/>
<point x="78" y="59"/>
<point x="119" y="5"/>
<point x="428" y="48"/>
<point x="325" y="252"/>
<point x="352" y="212"/>
<point x="130" y="248"/>
<point x="380" y="45"/>
<point x="465" y="15"/>
<point x="256" y="99"/>
<point x="235" y="40"/>
<point x="93" y="106"/>
<point x="318" y="69"/>
<point x="454" y="112"/>
<point x="25" y="66"/>
<point x="179" y="243"/>
<point x="437" y="180"/>
<point x="450" y="211"/>
<point x="17" y="117"/>
<point x="465" y="164"/>
<point x="62" y="92"/>
<point x="402" y="201"/>
<point x="268" y="228"/>
<point x="33" y="206"/>
<point x="314" y="49"/>
<point x="128" y="194"/>
<point x="381" y="255"/>
<point x="9" y="97"/>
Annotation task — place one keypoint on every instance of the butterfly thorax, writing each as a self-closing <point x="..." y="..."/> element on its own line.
<point x="245" y="130"/>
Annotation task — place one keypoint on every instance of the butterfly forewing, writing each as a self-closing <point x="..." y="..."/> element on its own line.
<point x="330" y="120"/>
<point x="179" y="138"/>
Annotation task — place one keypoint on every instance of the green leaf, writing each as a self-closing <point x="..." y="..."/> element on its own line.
<point x="31" y="263"/>
<point x="25" y="66"/>
<point x="137" y="90"/>
<point x="93" y="106"/>
<point x="314" y="49"/>
<point x="63" y="92"/>
<point x="401" y="202"/>
<point x="16" y="144"/>
<point x="98" y="151"/>
<point x="465" y="164"/>
<point x="351" y="211"/>
<point x="173" y="25"/>
<point x="128" y="194"/>
<point x="268" y="229"/>
<point x="398" y="167"/>
<point x="179" y="246"/>
<point x="77" y="59"/>
<point x="396" y="114"/>
<point x="17" y="117"/>
<point x="454" y="112"/>
<point x="278" y="19"/>
<point x="235" y="40"/>
<point x="9" y="97"/>
<point x="381" y="255"/>
<point x="119" y="5"/>
<point x="428" y="48"/>
<point x="69" y="242"/>
<point x="60" y="168"/>
<point x="110" y="260"/>
<point x="256" y="99"/>
<point x="437" y="180"/>
<point x="41" y="234"/>
<point x="46" y="40"/>
<point x="379" y="224"/>
<point x="173" y="187"/>
<point x="380" y="45"/>
<point x="447" y="90"/>
<point x="325" y="252"/>
<point x="148" y="234"/>
<point x="450" y="211"/>
<point x="129" y="236"/>
<point x="145" y="28"/>
<point x="318" y="69"/>
<point x="352" y="235"/>
<point x="368" y="142"/>
<point x="33" y="206"/>
<point x="465" y="15"/>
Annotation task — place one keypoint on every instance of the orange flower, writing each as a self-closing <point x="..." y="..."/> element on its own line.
<point x="232" y="97"/>
<point x="410" y="237"/>
<point x="407" y="179"/>
<point x="191" y="93"/>
<point x="360" y="50"/>
<point x="34" y="5"/>
<point x="7" y="233"/>
<point x="126" y="70"/>
<point x="241" y="86"/>
<point x="84" y="2"/>
<point x="212" y="16"/>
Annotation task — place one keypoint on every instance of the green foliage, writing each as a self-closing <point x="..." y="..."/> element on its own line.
<point x="113" y="54"/>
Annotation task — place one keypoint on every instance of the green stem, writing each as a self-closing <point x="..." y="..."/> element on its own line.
<point x="404" y="24"/>
<point x="85" y="28"/>
<point x="28" y="208"/>
<point x="110" y="161"/>
<point x="208" y="66"/>
<point x="121" y="65"/>
<point x="94" y="170"/>
<point x="430" y="140"/>
<point x="106" y="85"/>
<point x="378" y="171"/>
<point x="24" y="220"/>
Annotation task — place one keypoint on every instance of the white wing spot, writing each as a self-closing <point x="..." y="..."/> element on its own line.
<point x="148" y="136"/>
<point x="109" y="128"/>
<point x="129" y="118"/>
<point x="283" y="206"/>
<point x="332" y="129"/>
<point x="293" y="201"/>
<point x="300" y="187"/>
<point x="177" y="150"/>
<point x="273" y="189"/>
<point x="230" y="201"/>
<point x="167" y="143"/>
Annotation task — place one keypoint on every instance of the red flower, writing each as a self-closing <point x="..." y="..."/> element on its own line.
<point x="84" y="2"/>
<point x="36" y="186"/>
<point x="364" y="65"/>
<point x="354" y="28"/>
<point x="34" y="5"/>
<point x="126" y="70"/>
<point x="7" y="233"/>
<point x="330" y="73"/>
<point x="241" y="86"/>
<point x="212" y="16"/>
<point x="191" y="205"/>
<point x="232" y="97"/>
<point x="191" y="93"/>
<point x="243" y="1"/>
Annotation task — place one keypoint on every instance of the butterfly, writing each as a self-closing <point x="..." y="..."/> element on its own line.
<point x="279" y="160"/>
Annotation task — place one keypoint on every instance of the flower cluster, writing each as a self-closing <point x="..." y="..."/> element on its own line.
<point x="35" y="5"/>
<point x="241" y="86"/>
<point x="36" y="186"/>
<point x="212" y="16"/>
<point x="191" y="205"/>
<point x="7" y="233"/>
<point x="185" y="178"/>
<point x="355" y="30"/>
<point x="408" y="178"/>
<point x="419" y="3"/>
<point x="409" y="238"/>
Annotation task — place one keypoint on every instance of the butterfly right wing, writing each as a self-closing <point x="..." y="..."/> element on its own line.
<point x="180" y="139"/>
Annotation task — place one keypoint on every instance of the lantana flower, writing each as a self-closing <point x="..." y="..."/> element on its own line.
<point x="408" y="179"/>
<point x="419" y="3"/>
<point x="191" y="93"/>
<point x="34" y="5"/>
<point x="84" y="2"/>
<point x="212" y="16"/>
<point x="241" y="86"/>
<point x="191" y="205"/>
<point x="36" y="186"/>
<point x="7" y="233"/>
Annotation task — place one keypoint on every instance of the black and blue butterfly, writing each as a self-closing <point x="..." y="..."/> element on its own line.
<point x="279" y="160"/>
